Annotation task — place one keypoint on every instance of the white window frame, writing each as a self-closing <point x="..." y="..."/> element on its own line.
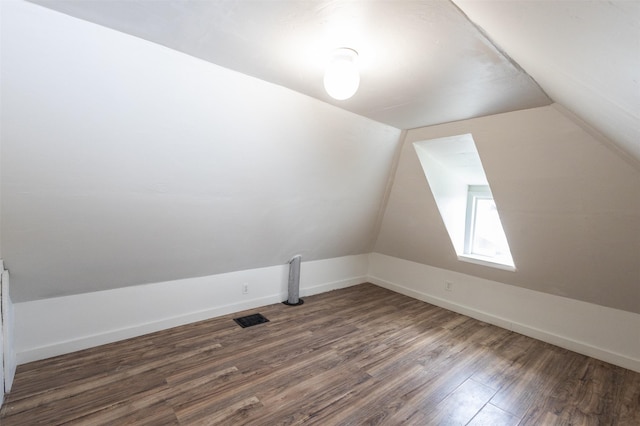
<point x="451" y="165"/>
<point x="475" y="193"/>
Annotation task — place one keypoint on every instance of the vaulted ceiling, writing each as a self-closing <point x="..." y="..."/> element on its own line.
<point x="185" y="138"/>
<point x="422" y="62"/>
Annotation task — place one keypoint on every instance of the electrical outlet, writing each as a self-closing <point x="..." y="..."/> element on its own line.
<point x="245" y="288"/>
<point x="448" y="286"/>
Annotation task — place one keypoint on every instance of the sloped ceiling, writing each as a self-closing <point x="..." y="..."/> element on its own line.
<point x="422" y="62"/>
<point x="584" y="54"/>
<point x="125" y="161"/>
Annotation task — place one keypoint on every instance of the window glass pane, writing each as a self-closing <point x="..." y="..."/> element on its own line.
<point x="488" y="236"/>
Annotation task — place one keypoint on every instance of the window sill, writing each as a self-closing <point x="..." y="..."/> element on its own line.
<point x="485" y="261"/>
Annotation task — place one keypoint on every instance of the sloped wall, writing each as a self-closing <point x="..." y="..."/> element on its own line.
<point x="569" y="205"/>
<point x="127" y="163"/>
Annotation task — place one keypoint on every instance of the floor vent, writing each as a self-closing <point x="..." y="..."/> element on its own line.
<point x="250" y="320"/>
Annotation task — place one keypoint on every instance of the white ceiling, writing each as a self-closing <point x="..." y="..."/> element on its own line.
<point x="149" y="165"/>
<point x="585" y="54"/>
<point x="422" y="62"/>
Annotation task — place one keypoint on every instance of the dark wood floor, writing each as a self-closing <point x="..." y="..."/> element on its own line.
<point x="362" y="355"/>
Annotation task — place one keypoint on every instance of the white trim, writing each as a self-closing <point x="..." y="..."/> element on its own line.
<point x="473" y="193"/>
<point x="470" y="258"/>
<point x="50" y="327"/>
<point x="608" y="334"/>
<point x="56" y="326"/>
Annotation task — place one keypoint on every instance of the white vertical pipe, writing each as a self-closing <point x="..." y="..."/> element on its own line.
<point x="294" y="281"/>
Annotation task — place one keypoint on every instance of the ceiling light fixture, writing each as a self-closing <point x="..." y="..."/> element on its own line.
<point x="341" y="78"/>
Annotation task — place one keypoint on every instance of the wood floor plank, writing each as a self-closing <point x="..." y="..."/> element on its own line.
<point x="490" y="415"/>
<point x="147" y="408"/>
<point x="508" y="358"/>
<point x="360" y="355"/>
<point x="235" y="413"/>
<point x="461" y="405"/>
<point x="371" y="399"/>
<point x="298" y="403"/>
<point x="543" y="367"/>
<point x="101" y="380"/>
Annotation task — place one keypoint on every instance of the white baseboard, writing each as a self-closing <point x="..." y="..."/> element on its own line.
<point x="607" y="334"/>
<point x="50" y="327"/>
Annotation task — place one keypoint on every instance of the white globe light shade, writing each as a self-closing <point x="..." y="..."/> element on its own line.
<point x="341" y="77"/>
